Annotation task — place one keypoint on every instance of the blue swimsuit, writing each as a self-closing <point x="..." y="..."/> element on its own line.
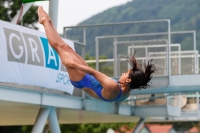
<point x="90" y="82"/>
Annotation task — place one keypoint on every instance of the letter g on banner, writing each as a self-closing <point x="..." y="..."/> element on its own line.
<point x="15" y="48"/>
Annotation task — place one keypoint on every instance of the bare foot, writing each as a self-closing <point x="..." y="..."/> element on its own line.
<point x="43" y="16"/>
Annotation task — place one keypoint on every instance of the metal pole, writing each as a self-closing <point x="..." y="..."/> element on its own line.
<point x="145" y="34"/>
<point x="179" y="60"/>
<point x="53" y="11"/>
<point x="132" y="52"/>
<point x="83" y="53"/>
<point x="64" y="33"/>
<point x="146" y="51"/>
<point x="139" y="125"/>
<point x="53" y="121"/>
<point x="118" y="65"/>
<point x="120" y="23"/>
<point x="84" y="42"/>
<point x="97" y="54"/>
<point x="154" y="46"/>
<point x="40" y="120"/>
<point x="169" y="51"/>
<point x="195" y="56"/>
<point x="129" y="52"/>
<point x="115" y="57"/>
<point x="197" y="64"/>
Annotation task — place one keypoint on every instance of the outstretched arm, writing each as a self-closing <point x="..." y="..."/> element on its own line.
<point x="83" y="68"/>
<point x="107" y="83"/>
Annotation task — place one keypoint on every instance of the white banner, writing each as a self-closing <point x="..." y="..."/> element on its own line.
<point x="27" y="58"/>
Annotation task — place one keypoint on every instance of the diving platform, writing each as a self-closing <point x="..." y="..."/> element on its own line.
<point x="20" y="105"/>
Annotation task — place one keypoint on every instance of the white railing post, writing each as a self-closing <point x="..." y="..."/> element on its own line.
<point x="53" y="121"/>
<point x="40" y="120"/>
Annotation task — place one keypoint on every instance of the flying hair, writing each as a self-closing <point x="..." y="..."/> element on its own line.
<point x="140" y="74"/>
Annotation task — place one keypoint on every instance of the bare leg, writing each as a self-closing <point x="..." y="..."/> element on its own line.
<point x="64" y="50"/>
<point x="78" y="56"/>
<point x="40" y="9"/>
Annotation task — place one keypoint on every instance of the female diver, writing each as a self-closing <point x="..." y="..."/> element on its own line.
<point x="91" y="81"/>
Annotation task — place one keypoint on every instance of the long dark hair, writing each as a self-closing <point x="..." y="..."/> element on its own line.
<point x="140" y="74"/>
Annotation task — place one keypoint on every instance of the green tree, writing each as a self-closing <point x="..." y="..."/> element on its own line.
<point x="95" y="128"/>
<point x="9" y="8"/>
<point x="15" y="129"/>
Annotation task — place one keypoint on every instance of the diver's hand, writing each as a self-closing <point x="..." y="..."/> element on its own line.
<point x="68" y="62"/>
